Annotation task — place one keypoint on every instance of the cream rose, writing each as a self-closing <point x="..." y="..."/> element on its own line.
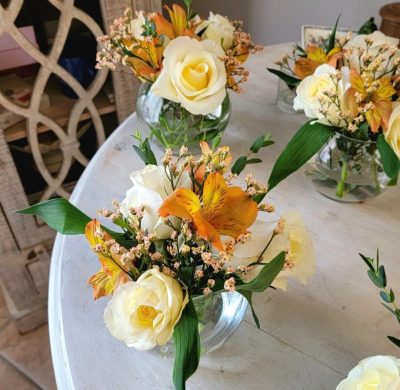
<point x="150" y="187"/>
<point x="392" y="134"/>
<point x="193" y="75"/>
<point x="218" y="29"/>
<point x="310" y="94"/>
<point x="378" y="40"/>
<point x="143" y="314"/>
<point x="136" y="25"/>
<point x="377" y="372"/>
<point x="295" y="239"/>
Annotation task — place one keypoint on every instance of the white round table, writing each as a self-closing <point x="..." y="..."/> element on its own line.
<point x="310" y="336"/>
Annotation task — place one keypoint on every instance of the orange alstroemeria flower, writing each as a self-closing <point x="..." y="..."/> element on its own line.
<point x="112" y="273"/>
<point x="316" y="56"/>
<point x="177" y="27"/>
<point x="369" y="92"/>
<point x="222" y="210"/>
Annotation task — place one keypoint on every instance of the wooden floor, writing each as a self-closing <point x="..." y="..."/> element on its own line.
<point x="25" y="361"/>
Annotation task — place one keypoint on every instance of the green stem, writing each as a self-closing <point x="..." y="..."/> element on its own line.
<point x="340" y="187"/>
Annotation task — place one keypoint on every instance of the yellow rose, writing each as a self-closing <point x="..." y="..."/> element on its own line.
<point x="218" y="29"/>
<point x="193" y="75"/>
<point x="377" y="372"/>
<point x="295" y="239"/>
<point x="392" y="134"/>
<point x="143" y="314"/>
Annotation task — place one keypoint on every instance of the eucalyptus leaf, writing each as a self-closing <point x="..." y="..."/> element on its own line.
<point x="375" y="279"/>
<point x="291" y="82"/>
<point x="368" y="27"/>
<point x="261" y="142"/>
<point x="385" y="297"/>
<point x="254" y="161"/>
<point x="394" y="340"/>
<point x="239" y="165"/>
<point x="187" y="346"/>
<point x="390" y="161"/>
<point x="308" y="140"/>
<point x="266" y="276"/>
<point x="368" y="261"/>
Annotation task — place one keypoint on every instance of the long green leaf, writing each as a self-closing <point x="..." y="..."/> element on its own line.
<point x="59" y="214"/>
<point x="306" y="142"/>
<point x="266" y="276"/>
<point x="248" y="296"/>
<point x="187" y="346"/>
<point x="390" y="161"/>
<point x="291" y="82"/>
<point x="332" y="37"/>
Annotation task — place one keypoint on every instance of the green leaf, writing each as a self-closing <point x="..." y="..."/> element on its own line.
<point x="216" y="141"/>
<point x="394" y="340"/>
<point x="368" y="27"/>
<point x="254" y="161"/>
<point x="144" y="151"/>
<point x="266" y="276"/>
<point x="375" y="279"/>
<point x="385" y="297"/>
<point x="330" y="43"/>
<point x="368" y="261"/>
<point x="291" y="82"/>
<point x="239" y="165"/>
<point x="308" y="140"/>
<point x="248" y="296"/>
<point x="261" y="142"/>
<point x="390" y="161"/>
<point x="187" y="346"/>
<point x="390" y="309"/>
<point x="59" y="214"/>
<point x="382" y="275"/>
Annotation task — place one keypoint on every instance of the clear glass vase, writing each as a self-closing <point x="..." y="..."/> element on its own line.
<point x="348" y="169"/>
<point x="219" y="316"/>
<point x="285" y="97"/>
<point x="172" y="126"/>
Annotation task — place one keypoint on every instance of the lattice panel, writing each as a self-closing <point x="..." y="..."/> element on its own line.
<point x="69" y="143"/>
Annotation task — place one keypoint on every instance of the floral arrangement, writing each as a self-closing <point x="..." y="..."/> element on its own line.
<point x="186" y="230"/>
<point x="357" y="99"/>
<point x="302" y="62"/>
<point x="376" y="372"/>
<point x="189" y="61"/>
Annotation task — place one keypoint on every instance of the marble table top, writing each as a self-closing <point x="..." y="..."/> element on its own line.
<point x="310" y="336"/>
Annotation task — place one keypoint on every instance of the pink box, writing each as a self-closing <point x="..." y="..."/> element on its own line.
<point x="11" y="54"/>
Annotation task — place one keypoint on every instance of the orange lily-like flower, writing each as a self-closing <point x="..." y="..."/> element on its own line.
<point x="177" y="27"/>
<point x="112" y="273"/>
<point x="316" y="56"/>
<point x="373" y="95"/>
<point x="221" y="209"/>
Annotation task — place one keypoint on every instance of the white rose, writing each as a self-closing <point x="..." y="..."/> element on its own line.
<point x="150" y="187"/>
<point x="295" y="239"/>
<point x="392" y="134"/>
<point x="378" y="39"/>
<point x="136" y="25"/>
<point x="143" y="314"/>
<point x="311" y="90"/>
<point x="376" y="372"/>
<point x="218" y="29"/>
<point x="193" y="75"/>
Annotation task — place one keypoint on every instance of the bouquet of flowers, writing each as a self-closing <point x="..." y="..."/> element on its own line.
<point x="302" y="62"/>
<point x="186" y="65"/>
<point x="185" y="231"/>
<point x="354" y="119"/>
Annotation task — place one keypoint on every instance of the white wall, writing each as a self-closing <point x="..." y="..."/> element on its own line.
<point x="276" y="21"/>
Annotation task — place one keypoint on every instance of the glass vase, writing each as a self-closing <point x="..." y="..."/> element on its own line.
<point x="285" y="97"/>
<point x="172" y="126"/>
<point x="219" y="316"/>
<point x="348" y="169"/>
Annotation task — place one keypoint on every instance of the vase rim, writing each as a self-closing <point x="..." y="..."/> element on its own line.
<point x="360" y="141"/>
